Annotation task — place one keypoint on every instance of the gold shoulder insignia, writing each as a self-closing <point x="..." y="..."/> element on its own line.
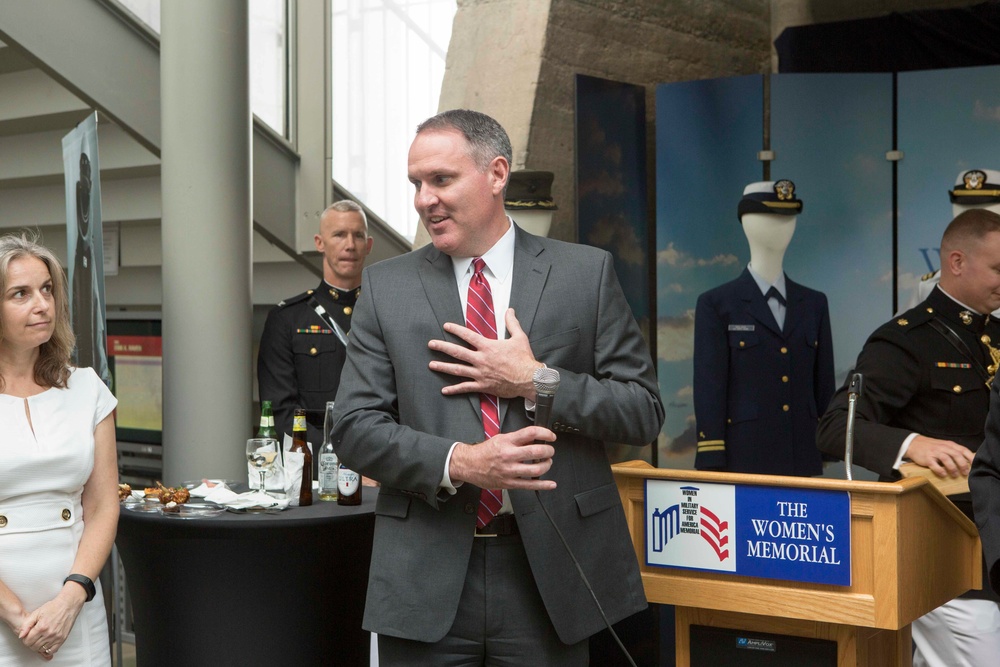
<point x="902" y="321"/>
<point x="927" y="276"/>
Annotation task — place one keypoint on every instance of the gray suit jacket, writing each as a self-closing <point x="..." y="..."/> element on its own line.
<point x="393" y="424"/>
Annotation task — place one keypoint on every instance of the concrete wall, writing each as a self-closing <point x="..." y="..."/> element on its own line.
<point x="504" y="62"/>
<point x="516" y="60"/>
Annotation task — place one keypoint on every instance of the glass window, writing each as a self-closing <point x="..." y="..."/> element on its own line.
<point x="268" y="55"/>
<point x="388" y="63"/>
<point x="269" y="63"/>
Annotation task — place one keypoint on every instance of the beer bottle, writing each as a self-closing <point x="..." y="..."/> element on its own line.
<point x="266" y="429"/>
<point x="328" y="464"/>
<point x="299" y="444"/>
<point x="349" y="486"/>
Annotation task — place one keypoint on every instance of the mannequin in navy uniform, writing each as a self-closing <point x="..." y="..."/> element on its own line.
<point x="975" y="188"/>
<point x="763" y="353"/>
<point x="926" y="400"/>
<point x="301" y="355"/>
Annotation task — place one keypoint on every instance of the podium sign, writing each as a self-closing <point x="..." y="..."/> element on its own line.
<point x="793" y="534"/>
<point x="908" y="550"/>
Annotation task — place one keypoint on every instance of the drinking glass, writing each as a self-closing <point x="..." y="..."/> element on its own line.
<point x="261" y="453"/>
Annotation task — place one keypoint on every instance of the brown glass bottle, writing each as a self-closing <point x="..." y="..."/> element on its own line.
<point x="349" y="486"/>
<point x="299" y="444"/>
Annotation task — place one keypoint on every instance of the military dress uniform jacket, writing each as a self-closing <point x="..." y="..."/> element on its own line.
<point x="758" y="389"/>
<point x="300" y="356"/>
<point x="916" y="381"/>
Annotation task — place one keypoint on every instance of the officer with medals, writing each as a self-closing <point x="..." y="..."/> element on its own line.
<point x="304" y="344"/>
<point x="927" y="378"/>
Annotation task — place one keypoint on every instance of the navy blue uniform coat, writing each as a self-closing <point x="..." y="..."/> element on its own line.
<point x="758" y="389"/>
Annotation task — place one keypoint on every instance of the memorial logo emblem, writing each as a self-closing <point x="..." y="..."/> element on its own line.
<point x="691" y="525"/>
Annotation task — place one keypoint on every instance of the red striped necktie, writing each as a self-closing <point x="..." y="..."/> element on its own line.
<point x="481" y="318"/>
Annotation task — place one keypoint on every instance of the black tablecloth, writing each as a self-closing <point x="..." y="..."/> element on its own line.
<point x="250" y="589"/>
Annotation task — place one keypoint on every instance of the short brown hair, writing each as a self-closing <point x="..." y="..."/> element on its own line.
<point x="486" y="137"/>
<point x="52" y="367"/>
<point x="967" y="228"/>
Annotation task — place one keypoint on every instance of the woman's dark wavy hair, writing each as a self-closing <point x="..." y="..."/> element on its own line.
<point x="53" y="366"/>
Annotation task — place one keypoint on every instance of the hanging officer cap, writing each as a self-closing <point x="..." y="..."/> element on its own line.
<point x="976" y="186"/>
<point x="769" y="197"/>
<point x="530" y="190"/>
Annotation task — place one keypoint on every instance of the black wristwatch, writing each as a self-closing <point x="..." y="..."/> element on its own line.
<point x="84" y="581"/>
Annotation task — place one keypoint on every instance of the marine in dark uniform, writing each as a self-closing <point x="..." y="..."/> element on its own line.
<point x="301" y="354"/>
<point x="916" y="380"/>
<point x="926" y="395"/>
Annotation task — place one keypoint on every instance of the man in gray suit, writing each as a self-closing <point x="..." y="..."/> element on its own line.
<point x="449" y="585"/>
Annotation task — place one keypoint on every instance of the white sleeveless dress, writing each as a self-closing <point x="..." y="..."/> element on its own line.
<point x="42" y="473"/>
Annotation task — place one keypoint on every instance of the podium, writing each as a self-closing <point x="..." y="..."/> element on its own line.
<point x="911" y="551"/>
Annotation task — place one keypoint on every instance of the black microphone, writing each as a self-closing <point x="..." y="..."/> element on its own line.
<point x="546" y="382"/>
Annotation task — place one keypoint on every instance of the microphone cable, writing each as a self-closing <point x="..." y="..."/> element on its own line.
<point x="546" y="383"/>
<point x="586" y="583"/>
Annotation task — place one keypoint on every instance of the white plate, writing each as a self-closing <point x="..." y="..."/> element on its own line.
<point x="140" y="505"/>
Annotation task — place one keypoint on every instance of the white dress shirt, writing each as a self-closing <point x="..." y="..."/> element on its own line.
<point x="498" y="272"/>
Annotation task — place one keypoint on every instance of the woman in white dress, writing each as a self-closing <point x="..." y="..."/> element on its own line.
<point x="58" y="473"/>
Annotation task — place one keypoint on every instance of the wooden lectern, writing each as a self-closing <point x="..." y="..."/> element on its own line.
<point x="911" y="551"/>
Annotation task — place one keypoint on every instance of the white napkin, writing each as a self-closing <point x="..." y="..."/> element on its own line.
<point x="221" y="495"/>
<point x="248" y="499"/>
<point x="206" y="487"/>
<point x="293" y="471"/>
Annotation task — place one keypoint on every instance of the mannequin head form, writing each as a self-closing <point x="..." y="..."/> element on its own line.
<point x="768" y="236"/>
<point x="975" y="188"/>
<point x="768" y="213"/>
<point x="528" y="200"/>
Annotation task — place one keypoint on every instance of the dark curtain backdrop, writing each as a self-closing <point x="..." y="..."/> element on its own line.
<point x="898" y="42"/>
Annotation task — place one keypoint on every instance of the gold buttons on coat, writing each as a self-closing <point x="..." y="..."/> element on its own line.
<point x="784" y="350"/>
<point x="785" y="407"/>
<point x="348" y="310"/>
<point x="313" y="351"/>
<point x="66" y="515"/>
<point x="957" y="389"/>
<point x="784" y="378"/>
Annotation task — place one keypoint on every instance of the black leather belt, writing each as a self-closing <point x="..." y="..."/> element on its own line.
<point x="502" y="524"/>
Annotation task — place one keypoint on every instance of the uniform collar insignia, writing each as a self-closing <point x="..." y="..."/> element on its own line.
<point x="348" y="295"/>
<point x="966" y="317"/>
